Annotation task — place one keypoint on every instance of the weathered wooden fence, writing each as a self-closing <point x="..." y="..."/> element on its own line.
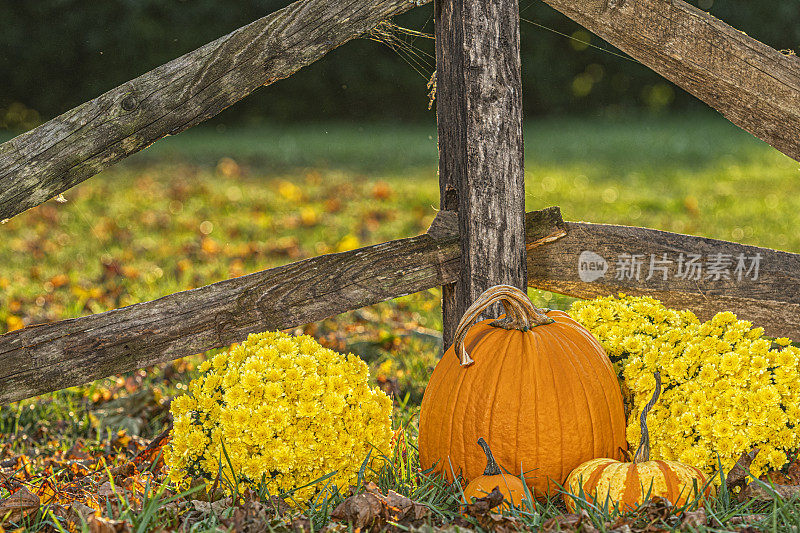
<point x="753" y="85"/>
<point x="476" y="240"/>
<point x="72" y="147"/>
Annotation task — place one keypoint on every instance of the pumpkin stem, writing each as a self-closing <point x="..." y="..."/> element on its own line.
<point x="491" y="465"/>
<point x="643" y="451"/>
<point x="521" y="314"/>
<point x="626" y="454"/>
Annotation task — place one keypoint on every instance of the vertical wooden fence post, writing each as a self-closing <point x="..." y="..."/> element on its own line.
<point x="479" y="116"/>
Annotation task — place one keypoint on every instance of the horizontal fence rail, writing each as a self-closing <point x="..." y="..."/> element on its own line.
<point x="48" y="357"/>
<point x="685" y="272"/>
<point x="753" y="85"/>
<point x="78" y="144"/>
<point x="575" y="258"/>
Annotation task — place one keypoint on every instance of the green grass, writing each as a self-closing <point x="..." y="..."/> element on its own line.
<point x="181" y="214"/>
<point x="696" y="174"/>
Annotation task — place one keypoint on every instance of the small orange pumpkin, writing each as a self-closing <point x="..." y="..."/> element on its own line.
<point x="627" y="484"/>
<point x="536" y="383"/>
<point x="512" y="487"/>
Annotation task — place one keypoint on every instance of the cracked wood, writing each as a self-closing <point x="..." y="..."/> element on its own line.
<point x="479" y="117"/>
<point x="772" y="300"/>
<point x="753" y="85"/>
<point x="76" y="145"/>
<point x="43" y="358"/>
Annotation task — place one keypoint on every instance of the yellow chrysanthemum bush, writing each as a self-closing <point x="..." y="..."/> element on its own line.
<point x="281" y="410"/>
<point x="726" y="388"/>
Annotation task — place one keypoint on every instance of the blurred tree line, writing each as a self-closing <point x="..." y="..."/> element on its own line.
<point x="55" y="54"/>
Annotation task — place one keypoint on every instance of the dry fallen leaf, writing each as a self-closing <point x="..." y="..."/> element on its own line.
<point x="694" y="519"/>
<point x="757" y="490"/>
<point x="763" y="492"/>
<point x="277" y="505"/>
<point x="570" y="522"/>
<point x="18" y="505"/>
<point x="106" y="489"/>
<point x="374" y="510"/>
<point x="480" y="511"/>
<point x="794" y="471"/>
<point x="212" y="507"/>
<point x="483" y="505"/>
<point x="657" y="509"/>
<point x="98" y="524"/>
<point x="737" y="477"/>
<point x="79" y="510"/>
<point x="746" y="520"/>
<point x="252" y="515"/>
<point x="360" y="510"/>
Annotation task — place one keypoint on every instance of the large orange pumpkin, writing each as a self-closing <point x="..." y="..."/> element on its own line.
<point x="627" y="485"/>
<point x="534" y="383"/>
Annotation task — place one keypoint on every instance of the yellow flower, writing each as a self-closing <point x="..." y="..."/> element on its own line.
<point x="740" y="441"/>
<point x="307" y="408"/>
<point x="787" y="359"/>
<point x="250" y="380"/>
<point x="273" y="407"/>
<point x="730" y="363"/>
<point x="776" y="459"/>
<point x="705" y="427"/>
<point x="726" y="389"/>
<point x="758" y="364"/>
<point x="220" y="360"/>
<point x="708" y="374"/>
<point x="737" y="415"/>
<point x="333" y="403"/>
<point x="723" y="430"/>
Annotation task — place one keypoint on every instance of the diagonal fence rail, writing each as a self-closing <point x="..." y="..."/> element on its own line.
<point x="78" y="144"/>
<point x="753" y="85"/>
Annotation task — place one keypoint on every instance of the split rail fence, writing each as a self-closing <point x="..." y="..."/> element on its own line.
<point x="476" y="240"/>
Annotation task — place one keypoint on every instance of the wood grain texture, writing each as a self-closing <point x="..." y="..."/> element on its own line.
<point x="43" y="358"/>
<point x="68" y="149"/>
<point x="479" y="116"/>
<point x="753" y="85"/>
<point x="451" y="133"/>
<point x="709" y="284"/>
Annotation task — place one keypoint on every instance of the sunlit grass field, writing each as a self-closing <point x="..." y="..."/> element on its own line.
<point x="219" y="202"/>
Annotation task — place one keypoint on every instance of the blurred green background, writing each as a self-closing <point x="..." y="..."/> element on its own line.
<point x="55" y="54"/>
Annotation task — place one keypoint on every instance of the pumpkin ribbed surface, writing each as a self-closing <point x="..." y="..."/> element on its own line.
<point x="627" y="484"/>
<point x="545" y="399"/>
